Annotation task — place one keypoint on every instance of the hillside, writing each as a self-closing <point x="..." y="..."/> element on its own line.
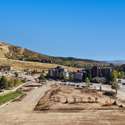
<point x="28" y="65"/>
<point x="17" y="53"/>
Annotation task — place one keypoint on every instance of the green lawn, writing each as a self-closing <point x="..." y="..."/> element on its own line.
<point x="9" y="96"/>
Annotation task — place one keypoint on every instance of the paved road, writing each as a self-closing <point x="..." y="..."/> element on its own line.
<point x="21" y="113"/>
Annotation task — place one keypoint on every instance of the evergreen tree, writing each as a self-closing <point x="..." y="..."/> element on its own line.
<point x="3" y="82"/>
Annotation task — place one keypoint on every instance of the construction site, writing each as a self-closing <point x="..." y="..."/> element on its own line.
<point x="54" y="104"/>
<point x="62" y="98"/>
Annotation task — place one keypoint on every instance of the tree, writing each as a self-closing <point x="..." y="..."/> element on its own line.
<point x="11" y="83"/>
<point x="115" y="75"/>
<point x="121" y="74"/>
<point x="115" y="86"/>
<point x="87" y="81"/>
<point x="17" y="82"/>
<point x="3" y="82"/>
<point x="114" y="81"/>
<point x="41" y="77"/>
<point x="16" y="74"/>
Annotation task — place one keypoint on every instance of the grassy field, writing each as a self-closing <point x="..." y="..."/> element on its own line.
<point x="9" y="96"/>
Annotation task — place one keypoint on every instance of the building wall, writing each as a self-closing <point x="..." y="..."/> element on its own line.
<point x="96" y="71"/>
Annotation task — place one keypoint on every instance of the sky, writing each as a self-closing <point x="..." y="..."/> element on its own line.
<point x="88" y="29"/>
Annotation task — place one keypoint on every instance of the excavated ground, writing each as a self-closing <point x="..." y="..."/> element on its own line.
<point x="22" y="112"/>
<point x="67" y="98"/>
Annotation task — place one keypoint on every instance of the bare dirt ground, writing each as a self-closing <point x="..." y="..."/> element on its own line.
<point x="22" y="113"/>
<point x="68" y="98"/>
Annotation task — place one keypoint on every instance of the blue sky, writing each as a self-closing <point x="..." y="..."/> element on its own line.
<point x="93" y="29"/>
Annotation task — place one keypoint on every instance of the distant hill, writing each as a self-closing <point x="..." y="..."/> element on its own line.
<point x="17" y="53"/>
<point x="117" y="62"/>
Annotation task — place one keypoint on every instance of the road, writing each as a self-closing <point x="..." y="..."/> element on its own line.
<point x="21" y="113"/>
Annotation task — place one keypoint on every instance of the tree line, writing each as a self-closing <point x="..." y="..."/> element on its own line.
<point x="7" y="83"/>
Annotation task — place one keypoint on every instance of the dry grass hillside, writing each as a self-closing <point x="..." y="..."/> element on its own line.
<point x="21" y="65"/>
<point x="3" y="50"/>
<point x="17" y="53"/>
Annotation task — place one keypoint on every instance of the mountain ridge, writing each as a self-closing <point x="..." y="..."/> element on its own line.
<point x="10" y="51"/>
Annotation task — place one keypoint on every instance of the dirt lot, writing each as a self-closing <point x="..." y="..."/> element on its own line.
<point x="66" y="98"/>
<point x="22" y="113"/>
